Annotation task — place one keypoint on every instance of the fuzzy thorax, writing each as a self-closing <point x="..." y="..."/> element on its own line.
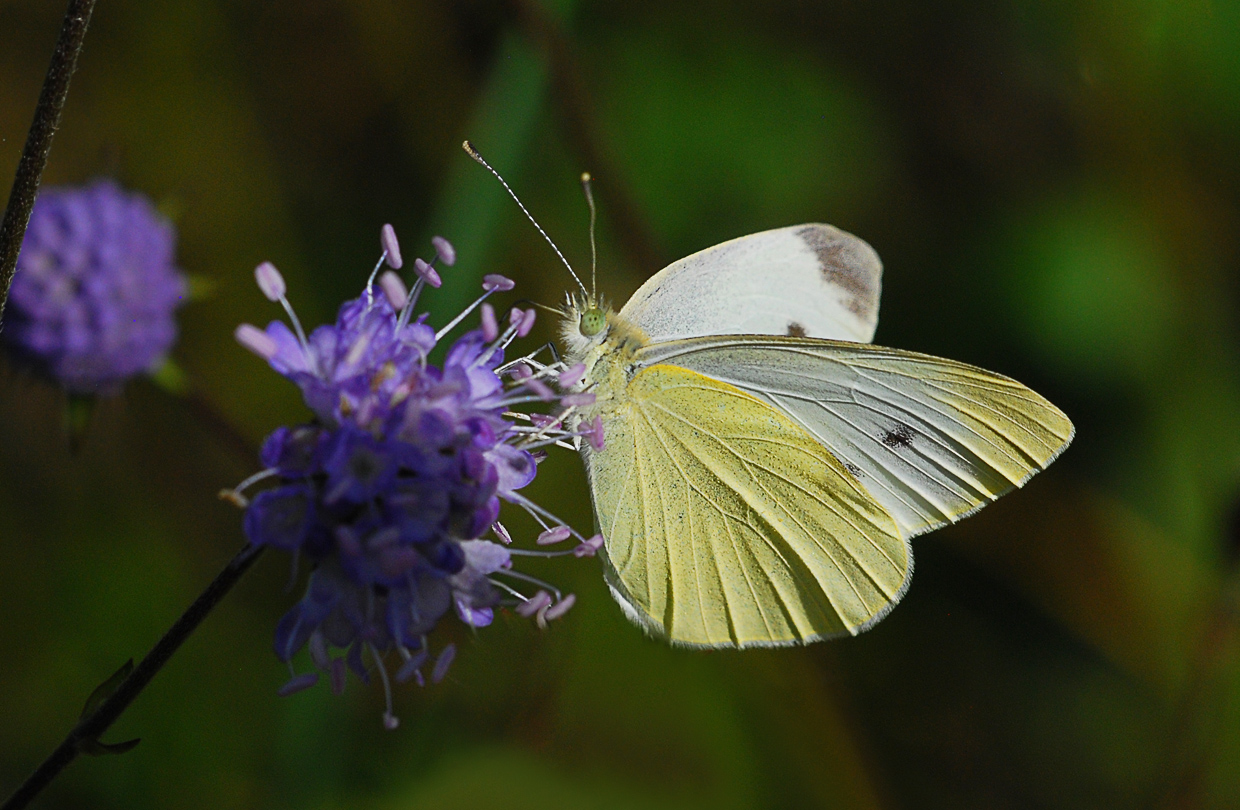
<point x="608" y="357"/>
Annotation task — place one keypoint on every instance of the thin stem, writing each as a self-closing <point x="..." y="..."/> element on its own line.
<point x="92" y="727"/>
<point x="39" y="139"/>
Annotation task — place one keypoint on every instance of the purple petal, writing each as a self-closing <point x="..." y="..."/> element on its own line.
<point x="516" y="468"/>
<point x="256" y="340"/>
<point x="484" y="557"/>
<point x="280" y="517"/>
<point x="472" y="616"/>
<point x="298" y="683"/>
<point x="411" y="666"/>
<point x="442" y="663"/>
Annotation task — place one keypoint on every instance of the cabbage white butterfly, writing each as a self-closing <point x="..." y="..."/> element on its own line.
<point x="764" y="466"/>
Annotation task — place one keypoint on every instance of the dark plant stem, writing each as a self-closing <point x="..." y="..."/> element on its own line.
<point x="85" y="735"/>
<point x="39" y="139"/>
<point x="88" y="731"/>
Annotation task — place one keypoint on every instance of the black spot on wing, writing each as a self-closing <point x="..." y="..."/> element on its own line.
<point x="795" y="329"/>
<point x="852" y="468"/>
<point x="899" y="436"/>
<point x="842" y="265"/>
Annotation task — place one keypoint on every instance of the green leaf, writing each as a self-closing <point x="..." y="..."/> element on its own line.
<point x="97" y="749"/>
<point x="106" y="689"/>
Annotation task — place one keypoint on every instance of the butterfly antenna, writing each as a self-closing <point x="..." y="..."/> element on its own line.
<point x="586" y="180"/>
<point x="546" y="308"/>
<point x="473" y="153"/>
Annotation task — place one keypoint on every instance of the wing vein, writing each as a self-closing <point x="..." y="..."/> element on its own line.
<point x="805" y="531"/>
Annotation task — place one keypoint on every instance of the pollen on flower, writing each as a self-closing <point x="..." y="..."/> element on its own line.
<point x="560" y="608"/>
<point x="579" y="400"/>
<point x="552" y="536"/>
<point x="94" y="297"/>
<point x="590" y="547"/>
<point x="391" y="248"/>
<point x="537" y="602"/>
<point x="494" y="281"/>
<point x="572" y="375"/>
<point x="593" y="433"/>
<point x="395" y="290"/>
<point x="270" y="281"/>
<point x="490" y="327"/>
<point x="387" y="495"/>
<point x="427" y="273"/>
<point x="444" y="250"/>
<point x="526" y="325"/>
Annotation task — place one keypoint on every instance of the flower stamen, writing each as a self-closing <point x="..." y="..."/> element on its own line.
<point x="389" y="492"/>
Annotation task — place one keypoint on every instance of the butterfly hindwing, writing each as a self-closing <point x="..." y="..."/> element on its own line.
<point x="727" y="525"/>
<point x="931" y="439"/>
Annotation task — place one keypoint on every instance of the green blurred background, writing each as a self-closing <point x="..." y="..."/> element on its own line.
<point x="1055" y="190"/>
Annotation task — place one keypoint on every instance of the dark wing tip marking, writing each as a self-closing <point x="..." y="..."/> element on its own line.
<point x="796" y="330"/>
<point x="840" y="266"/>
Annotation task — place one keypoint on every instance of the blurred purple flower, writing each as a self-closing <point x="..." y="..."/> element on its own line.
<point x="388" y="493"/>
<point x="96" y="288"/>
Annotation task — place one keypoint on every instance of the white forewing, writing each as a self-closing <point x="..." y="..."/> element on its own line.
<point x="806" y="280"/>
<point x="931" y="439"/>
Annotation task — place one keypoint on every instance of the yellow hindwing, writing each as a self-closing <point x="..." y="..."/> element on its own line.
<point x="727" y="525"/>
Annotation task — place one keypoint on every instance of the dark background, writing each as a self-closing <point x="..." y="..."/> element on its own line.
<point x="1055" y="190"/>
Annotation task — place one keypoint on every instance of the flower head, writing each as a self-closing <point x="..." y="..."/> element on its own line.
<point x="390" y="491"/>
<point x="93" y="299"/>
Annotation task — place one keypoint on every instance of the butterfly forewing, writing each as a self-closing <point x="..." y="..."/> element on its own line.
<point x="726" y="524"/>
<point x="809" y="280"/>
<point x="931" y="439"/>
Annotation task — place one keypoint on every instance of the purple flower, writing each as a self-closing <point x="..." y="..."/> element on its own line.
<point x="96" y="287"/>
<point x="389" y="493"/>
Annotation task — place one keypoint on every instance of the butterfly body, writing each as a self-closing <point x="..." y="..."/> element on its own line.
<point x="764" y="467"/>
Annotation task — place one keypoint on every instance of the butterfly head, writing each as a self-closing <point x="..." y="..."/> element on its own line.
<point x="590" y="330"/>
<point x="584" y="324"/>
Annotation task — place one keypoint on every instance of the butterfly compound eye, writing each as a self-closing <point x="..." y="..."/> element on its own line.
<point x="592" y="322"/>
